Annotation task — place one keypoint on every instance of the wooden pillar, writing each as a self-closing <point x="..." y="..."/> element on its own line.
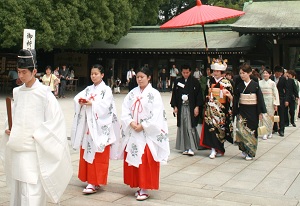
<point x="276" y="55"/>
<point x="285" y="56"/>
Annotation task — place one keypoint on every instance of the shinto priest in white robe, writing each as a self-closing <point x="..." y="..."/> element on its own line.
<point x="99" y="119"/>
<point x="145" y="108"/>
<point x="37" y="148"/>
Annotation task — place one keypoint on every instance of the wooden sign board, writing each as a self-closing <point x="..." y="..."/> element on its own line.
<point x="29" y="39"/>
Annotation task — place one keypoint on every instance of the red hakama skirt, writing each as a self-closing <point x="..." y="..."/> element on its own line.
<point x="97" y="172"/>
<point x="146" y="176"/>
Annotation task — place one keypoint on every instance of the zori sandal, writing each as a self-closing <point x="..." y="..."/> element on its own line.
<point x="142" y="197"/>
<point x="137" y="193"/>
<point x="90" y="189"/>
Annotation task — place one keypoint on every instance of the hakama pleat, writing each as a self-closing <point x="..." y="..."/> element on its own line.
<point x="187" y="136"/>
<point x="145" y="176"/>
<point x="97" y="172"/>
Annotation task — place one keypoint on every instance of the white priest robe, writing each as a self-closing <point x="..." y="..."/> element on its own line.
<point x="99" y="121"/>
<point x="37" y="151"/>
<point x="145" y="108"/>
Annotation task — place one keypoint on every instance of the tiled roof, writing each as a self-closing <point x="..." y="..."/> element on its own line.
<point x="269" y="16"/>
<point x="185" y="39"/>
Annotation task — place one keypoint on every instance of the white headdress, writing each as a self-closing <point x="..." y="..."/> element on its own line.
<point x="218" y="64"/>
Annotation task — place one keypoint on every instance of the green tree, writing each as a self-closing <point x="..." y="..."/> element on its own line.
<point x="173" y="8"/>
<point x="148" y="14"/>
<point x="68" y="23"/>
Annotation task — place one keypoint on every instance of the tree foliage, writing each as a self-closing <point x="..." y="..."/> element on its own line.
<point x="173" y="8"/>
<point x="72" y="23"/>
<point x="78" y="23"/>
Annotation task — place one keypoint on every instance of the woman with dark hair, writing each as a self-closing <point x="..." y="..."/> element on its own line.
<point x="95" y="129"/>
<point x="248" y="106"/>
<point x="50" y="79"/>
<point x="271" y="98"/>
<point x="145" y="139"/>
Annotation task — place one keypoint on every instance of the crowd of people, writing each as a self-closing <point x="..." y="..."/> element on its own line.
<point x="36" y="142"/>
<point x="232" y="108"/>
<point x="228" y="107"/>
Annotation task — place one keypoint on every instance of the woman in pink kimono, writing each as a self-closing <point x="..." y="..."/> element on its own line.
<point x="271" y="98"/>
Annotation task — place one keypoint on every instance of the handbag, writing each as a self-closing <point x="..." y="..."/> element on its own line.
<point x="275" y="118"/>
<point x="262" y="129"/>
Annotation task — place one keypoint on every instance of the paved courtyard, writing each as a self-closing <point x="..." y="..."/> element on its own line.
<point x="272" y="178"/>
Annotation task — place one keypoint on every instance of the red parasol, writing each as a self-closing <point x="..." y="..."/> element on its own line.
<point x="201" y="14"/>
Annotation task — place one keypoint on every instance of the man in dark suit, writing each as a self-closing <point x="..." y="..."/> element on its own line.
<point x="186" y="100"/>
<point x="281" y="83"/>
<point x="292" y="98"/>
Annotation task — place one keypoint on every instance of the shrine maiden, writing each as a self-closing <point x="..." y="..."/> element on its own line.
<point x="144" y="136"/>
<point x="95" y="129"/>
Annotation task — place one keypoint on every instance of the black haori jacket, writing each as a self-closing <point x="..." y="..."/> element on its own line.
<point x="193" y="89"/>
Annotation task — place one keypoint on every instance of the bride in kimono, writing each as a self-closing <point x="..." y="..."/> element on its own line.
<point x="144" y="141"/>
<point x="217" y="125"/>
<point x="271" y="98"/>
<point x="95" y="129"/>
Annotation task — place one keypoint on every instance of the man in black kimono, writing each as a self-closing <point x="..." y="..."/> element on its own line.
<point x="64" y="75"/>
<point x="292" y="98"/>
<point x="281" y="83"/>
<point x="186" y="100"/>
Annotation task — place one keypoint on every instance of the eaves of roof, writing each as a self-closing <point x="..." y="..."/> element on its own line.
<point x="180" y="40"/>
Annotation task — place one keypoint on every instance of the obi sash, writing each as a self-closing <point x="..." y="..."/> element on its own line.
<point x="248" y="99"/>
<point x="216" y="93"/>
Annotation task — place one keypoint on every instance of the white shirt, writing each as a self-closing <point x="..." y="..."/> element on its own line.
<point x="130" y="74"/>
<point x="197" y="74"/>
<point x="173" y="72"/>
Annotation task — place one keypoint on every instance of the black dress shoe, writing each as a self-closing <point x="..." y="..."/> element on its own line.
<point x="281" y="134"/>
<point x="294" y="125"/>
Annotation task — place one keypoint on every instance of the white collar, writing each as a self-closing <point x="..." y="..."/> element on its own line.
<point x="247" y="83"/>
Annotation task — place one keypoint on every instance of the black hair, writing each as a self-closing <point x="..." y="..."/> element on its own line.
<point x="185" y="66"/>
<point x="99" y="67"/>
<point x="268" y="70"/>
<point x="145" y="70"/>
<point x="246" y="68"/>
<point x="48" y="67"/>
<point x="278" y="69"/>
<point x="205" y="71"/>
<point x="292" y="72"/>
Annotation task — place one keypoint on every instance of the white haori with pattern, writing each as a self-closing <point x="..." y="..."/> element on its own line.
<point x="96" y="126"/>
<point x="146" y="108"/>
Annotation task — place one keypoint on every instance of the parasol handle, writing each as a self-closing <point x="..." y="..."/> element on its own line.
<point x="206" y="48"/>
<point x="204" y="37"/>
<point x="9" y="114"/>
